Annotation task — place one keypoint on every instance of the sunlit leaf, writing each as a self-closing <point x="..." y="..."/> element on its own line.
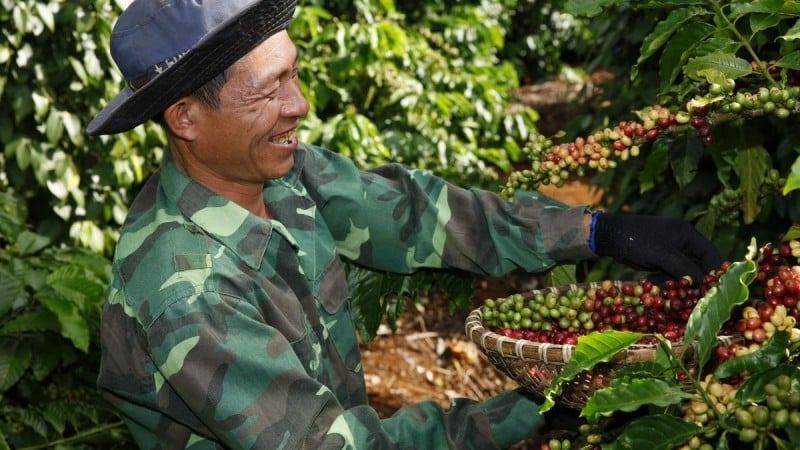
<point x="792" y="233"/>
<point x="592" y="349"/>
<point x="726" y="63"/>
<point x="46" y="15"/>
<point x="792" y="33"/>
<point x="715" y="308"/>
<point x="632" y="395"/>
<point x="740" y="9"/>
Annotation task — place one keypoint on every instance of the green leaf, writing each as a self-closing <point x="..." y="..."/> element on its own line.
<point x="56" y="413"/>
<point x="768" y="355"/>
<point x="656" y="164"/>
<point x="717" y="44"/>
<point x="29" y="243"/>
<point x="54" y="127"/>
<point x="726" y="63"/>
<point x="643" y="369"/>
<point x="15" y="357"/>
<point x="707" y="223"/>
<point x="654" y="432"/>
<point x="751" y="166"/>
<point x="46" y="15"/>
<point x="20" y="149"/>
<point x="39" y="320"/>
<point x="34" y="420"/>
<point x="752" y="390"/>
<point x="592" y="349"/>
<point x="48" y="357"/>
<point x="763" y="21"/>
<point x="72" y="324"/>
<point x="678" y="49"/>
<point x="12" y="220"/>
<point x="676" y="20"/>
<point x="790" y="61"/>
<point x="793" y="233"/>
<point x="3" y="442"/>
<point x="588" y="8"/>
<point x="68" y="293"/>
<point x="562" y="275"/>
<point x="371" y="292"/>
<point x="793" y="178"/>
<point x="740" y="9"/>
<point x="72" y="123"/>
<point x="11" y="290"/>
<point x="684" y="166"/>
<point x="792" y="33"/>
<point x="631" y="396"/>
<point x="715" y="308"/>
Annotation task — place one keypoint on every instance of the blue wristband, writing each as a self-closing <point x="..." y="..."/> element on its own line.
<point x="592" y="226"/>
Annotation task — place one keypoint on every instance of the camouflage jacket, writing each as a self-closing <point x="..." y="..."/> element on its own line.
<point x="225" y="330"/>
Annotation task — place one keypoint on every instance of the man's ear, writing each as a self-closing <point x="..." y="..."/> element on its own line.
<point x="179" y="117"/>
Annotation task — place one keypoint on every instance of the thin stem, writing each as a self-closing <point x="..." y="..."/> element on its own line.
<point x="78" y="437"/>
<point x="761" y="66"/>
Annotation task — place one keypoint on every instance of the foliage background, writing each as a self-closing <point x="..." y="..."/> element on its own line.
<point x="416" y="82"/>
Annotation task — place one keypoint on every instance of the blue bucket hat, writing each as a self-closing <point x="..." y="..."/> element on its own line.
<point x="167" y="49"/>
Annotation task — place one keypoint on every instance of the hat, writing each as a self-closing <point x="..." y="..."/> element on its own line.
<point x="167" y="49"/>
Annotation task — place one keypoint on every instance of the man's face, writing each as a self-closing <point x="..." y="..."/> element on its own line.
<point x="251" y="137"/>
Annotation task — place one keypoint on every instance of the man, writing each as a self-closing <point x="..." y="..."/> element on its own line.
<point x="227" y="322"/>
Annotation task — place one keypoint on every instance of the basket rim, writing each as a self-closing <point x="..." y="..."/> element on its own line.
<point x="559" y="354"/>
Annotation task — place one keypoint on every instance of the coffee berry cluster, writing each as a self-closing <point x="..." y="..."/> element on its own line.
<point x="603" y="150"/>
<point x="560" y="316"/>
<point x="553" y="163"/>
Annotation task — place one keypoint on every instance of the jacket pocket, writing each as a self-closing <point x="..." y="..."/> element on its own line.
<point x="334" y="298"/>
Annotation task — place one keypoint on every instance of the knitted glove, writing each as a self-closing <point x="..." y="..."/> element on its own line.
<point x="662" y="244"/>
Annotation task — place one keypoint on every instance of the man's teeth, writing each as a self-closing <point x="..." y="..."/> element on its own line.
<point x="285" y="138"/>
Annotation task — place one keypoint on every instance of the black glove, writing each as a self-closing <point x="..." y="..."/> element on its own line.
<point x="663" y="244"/>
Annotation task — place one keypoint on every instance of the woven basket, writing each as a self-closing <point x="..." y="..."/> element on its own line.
<point x="534" y="365"/>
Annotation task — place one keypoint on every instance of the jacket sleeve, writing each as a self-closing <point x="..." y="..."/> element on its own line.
<point x="399" y="219"/>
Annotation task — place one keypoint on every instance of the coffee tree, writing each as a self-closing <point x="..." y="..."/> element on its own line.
<point x="716" y="145"/>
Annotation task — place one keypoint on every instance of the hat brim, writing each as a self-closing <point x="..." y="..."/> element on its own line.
<point x="222" y="47"/>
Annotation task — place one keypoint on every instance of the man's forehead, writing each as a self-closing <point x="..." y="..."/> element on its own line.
<point x="255" y="72"/>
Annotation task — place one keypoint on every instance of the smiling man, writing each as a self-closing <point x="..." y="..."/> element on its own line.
<point x="227" y="322"/>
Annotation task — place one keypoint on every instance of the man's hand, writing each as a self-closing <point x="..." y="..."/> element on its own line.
<point x="663" y="244"/>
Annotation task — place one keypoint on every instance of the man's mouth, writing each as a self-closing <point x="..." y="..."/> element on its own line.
<point x="285" y="138"/>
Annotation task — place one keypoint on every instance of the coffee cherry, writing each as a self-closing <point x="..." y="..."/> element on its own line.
<point x="748" y="435"/>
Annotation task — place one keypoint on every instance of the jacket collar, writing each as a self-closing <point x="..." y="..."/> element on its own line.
<point x="236" y="228"/>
